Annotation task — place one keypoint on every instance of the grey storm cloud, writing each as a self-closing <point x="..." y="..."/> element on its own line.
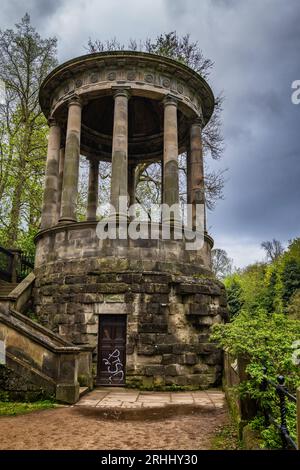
<point x="38" y="9"/>
<point x="254" y="45"/>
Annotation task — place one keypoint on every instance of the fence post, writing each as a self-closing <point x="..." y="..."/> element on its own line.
<point x="298" y="418"/>
<point x="15" y="263"/>
<point x="263" y="388"/>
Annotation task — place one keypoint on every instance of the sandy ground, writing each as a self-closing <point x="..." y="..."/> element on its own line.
<point x="69" y="428"/>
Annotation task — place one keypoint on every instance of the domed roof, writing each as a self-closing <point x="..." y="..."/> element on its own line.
<point x="149" y="78"/>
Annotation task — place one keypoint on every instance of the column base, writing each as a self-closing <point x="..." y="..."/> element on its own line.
<point x="173" y="228"/>
<point x="67" y="393"/>
<point x="66" y="221"/>
<point x="118" y="218"/>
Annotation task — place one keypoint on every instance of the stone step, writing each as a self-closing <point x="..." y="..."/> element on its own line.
<point x="121" y="403"/>
<point x="83" y="391"/>
<point x="7" y="288"/>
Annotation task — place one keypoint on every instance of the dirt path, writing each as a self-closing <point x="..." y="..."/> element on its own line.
<point x="68" y="428"/>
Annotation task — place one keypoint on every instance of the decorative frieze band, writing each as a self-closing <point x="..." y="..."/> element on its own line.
<point x="139" y="77"/>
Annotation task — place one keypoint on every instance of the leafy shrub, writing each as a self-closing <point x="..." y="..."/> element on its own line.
<point x="264" y="339"/>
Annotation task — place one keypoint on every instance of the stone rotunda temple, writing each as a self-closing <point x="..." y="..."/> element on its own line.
<point x="146" y="306"/>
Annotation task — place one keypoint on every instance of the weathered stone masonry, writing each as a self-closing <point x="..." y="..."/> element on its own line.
<point x="168" y="316"/>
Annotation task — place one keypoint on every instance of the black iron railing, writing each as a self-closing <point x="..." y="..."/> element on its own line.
<point x="26" y="266"/>
<point x="283" y="395"/>
<point x="6" y="264"/>
<point x="14" y="265"/>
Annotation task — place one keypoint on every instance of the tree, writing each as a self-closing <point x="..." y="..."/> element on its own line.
<point x="221" y="263"/>
<point x="185" y="51"/>
<point x="25" y="61"/>
<point x="273" y="249"/>
<point x="290" y="279"/>
<point x="235" y="300"/>
<point x="270" y="293"/>
<point x="293" y="308"/>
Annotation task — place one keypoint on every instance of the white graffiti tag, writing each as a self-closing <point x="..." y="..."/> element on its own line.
<point x="113" y="360"/>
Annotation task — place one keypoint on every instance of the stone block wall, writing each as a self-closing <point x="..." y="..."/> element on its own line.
<point x="168" y="315"/>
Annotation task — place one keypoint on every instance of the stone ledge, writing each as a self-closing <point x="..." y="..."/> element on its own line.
<point x="120" y="403"/>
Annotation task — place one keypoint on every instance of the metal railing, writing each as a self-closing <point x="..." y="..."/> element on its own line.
<point x="283" y="395"/>
<point x="14" y="265"/>
<point x="26" y="266"/>
<point x="6" y="264"/>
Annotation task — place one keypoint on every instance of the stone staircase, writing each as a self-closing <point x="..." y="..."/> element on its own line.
<point x="6" y="288"/>
<point x="35" y="361"/>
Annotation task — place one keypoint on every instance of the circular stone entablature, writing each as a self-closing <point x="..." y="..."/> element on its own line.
<point x="148" y="78"/>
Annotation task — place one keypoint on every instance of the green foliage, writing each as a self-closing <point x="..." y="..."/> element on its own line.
<point x="8" y="408"/>
<point x="226" y="438"/>
<point x="270" y="292"/>
<point x="253" y="287"/>
<point x="290" y="279"/>
<point x="26" y="59"/>
<point x="266" y="340"/>
<point x="293" y="251"/>
<point x="263" y="339"/>
<point x="264" y="300"/>
<point x="293" y="308"/>
<point x="234" y="296"/>
<point x="272" y="286"/>
<point x="270" y="436"/>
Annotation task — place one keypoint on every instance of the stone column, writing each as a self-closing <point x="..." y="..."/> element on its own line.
<point x="131" y="183"/>
<point x="196" y="170"/>
<point x="60" y="179"/>
<point x="170" y="156"/>
<point x="162" y="181"/>
<point x="93" y="190"/>
<point x="71" y="166"/>
<point x="119" y="178"/>
<point x="49" y="210"/>
<point x="188" y="174"/>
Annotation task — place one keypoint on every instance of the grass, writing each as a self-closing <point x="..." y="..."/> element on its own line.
<point x="227" y="438"/>
<point x="14" y="408"/>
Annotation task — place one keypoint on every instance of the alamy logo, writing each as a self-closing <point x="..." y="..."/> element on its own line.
<point x="296" y="93"/>
<point x="160" y="222"/>
<point x="296" y="352"/>
<point x="2" y="92"/>
<point x="2" y="352"/>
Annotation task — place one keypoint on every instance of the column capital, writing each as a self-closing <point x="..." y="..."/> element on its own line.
<point x="52" y="122"/>
<point x="75" y="100"/>
<point x="198" y="121"/>
<point x="170" y="100"/>
<point x="121" y="91"/>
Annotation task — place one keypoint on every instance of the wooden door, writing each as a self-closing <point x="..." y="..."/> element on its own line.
<point x="111" y="350"/>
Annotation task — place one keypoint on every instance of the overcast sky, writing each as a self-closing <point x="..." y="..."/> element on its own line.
<point x="255" y="47"/>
